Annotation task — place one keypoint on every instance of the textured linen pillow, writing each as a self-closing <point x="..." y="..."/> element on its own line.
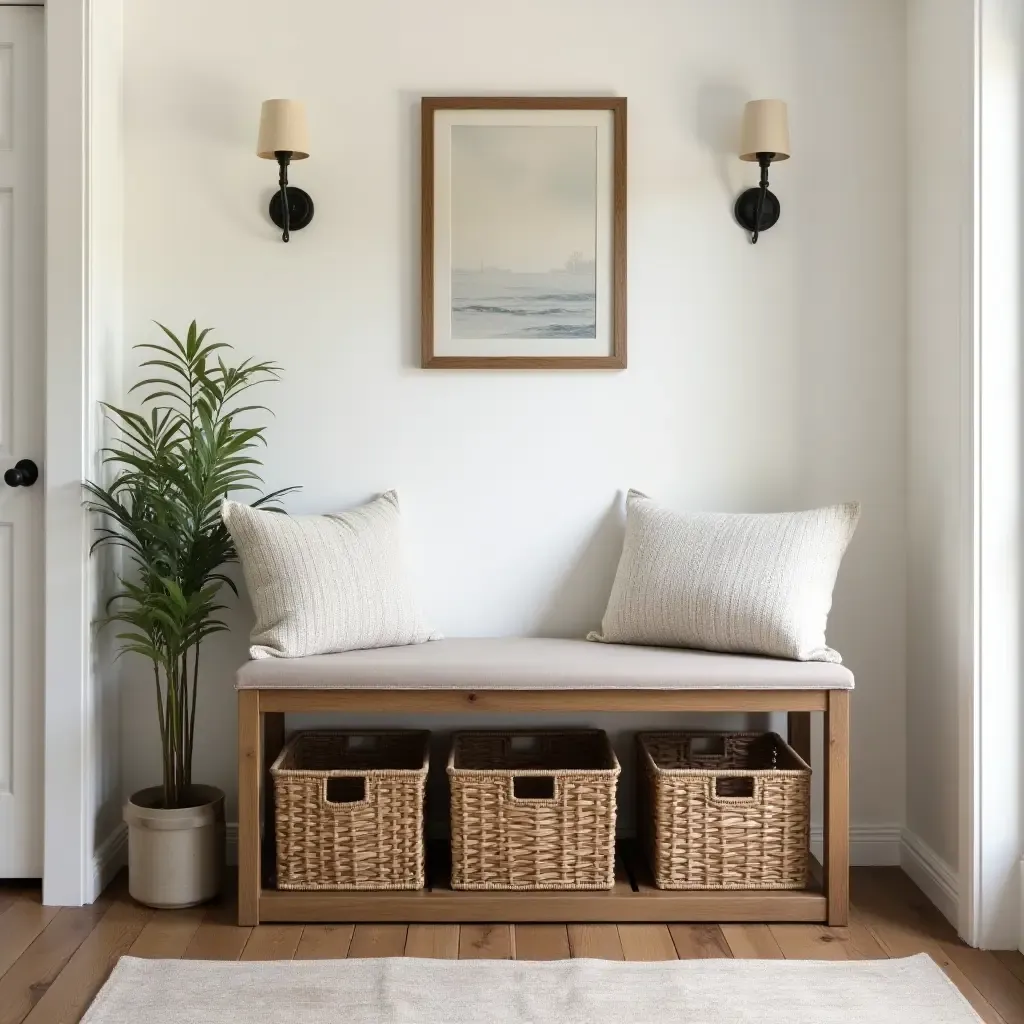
<point x="325" y="584"/>
<point x="750" y="584"/>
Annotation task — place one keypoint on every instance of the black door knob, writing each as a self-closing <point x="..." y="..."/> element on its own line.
<point x="24" y="474"/>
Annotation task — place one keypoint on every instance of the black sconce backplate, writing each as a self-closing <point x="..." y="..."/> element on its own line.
<point x="746" y="210"/>
<point x="300" y="208"/>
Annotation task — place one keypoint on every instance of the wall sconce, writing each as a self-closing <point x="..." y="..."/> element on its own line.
<point x="284" y="137"/>
<point x="765" y="138"/>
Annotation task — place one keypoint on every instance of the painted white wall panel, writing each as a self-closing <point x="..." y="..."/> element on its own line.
<point x="760" y="377"/>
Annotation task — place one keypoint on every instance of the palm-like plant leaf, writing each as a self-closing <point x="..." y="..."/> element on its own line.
<point x="173" y="465"/>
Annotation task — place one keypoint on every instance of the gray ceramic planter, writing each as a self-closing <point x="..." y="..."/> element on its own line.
<point x="175" y="857"/>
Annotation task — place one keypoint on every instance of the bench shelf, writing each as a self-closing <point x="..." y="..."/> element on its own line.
<point x="634" y="898"/>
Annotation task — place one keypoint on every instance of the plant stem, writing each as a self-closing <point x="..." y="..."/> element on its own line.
<point x="192" y="716"/>
<point x="163" y="733"/>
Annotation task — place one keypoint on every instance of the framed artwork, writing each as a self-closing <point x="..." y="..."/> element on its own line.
<point x="524" y="233"/>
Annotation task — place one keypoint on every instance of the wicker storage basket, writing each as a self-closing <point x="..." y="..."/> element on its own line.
<point x="533" y="810"/>
<point x="349" y="810"/>
<point x="724" y="810"/>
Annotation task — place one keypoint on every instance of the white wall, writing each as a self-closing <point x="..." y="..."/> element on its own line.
<point x="940" y="96"/>
<point x="760" y="377"/>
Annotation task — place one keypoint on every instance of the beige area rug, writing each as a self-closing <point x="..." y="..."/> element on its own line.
<point x="396" y="991"/>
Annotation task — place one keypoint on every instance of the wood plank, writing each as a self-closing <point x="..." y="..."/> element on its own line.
<point x="250" y="773"/>
<point x="837" y="807"/>
<point x="37" y="968"/>
<point x="999" y="986"/>
<point x="11" y="894"/>
<point x="594" y="941"/>
<point x="74" y="988"/>
<point x="433" y="941"/>
<point x="1012" y="960"/>
<point x="486" y="942"/>
<point x="444" y="905"/>
<point x="808" y="942"/>
<point x="542" y="942"/>
<point x="218" y="937"/>
<point x="860" y="943"/>
<point x="819" y="942"/>
<point x="272" y="942"/>
<point x="751" y="942"/>
<point x="590" y="699"/>
<point x="324" y="942"/>
<point x="699" y="941"/>
<point x="168" y="934"/>
<point x="369" y="940"/>
<point x="19" y="926"/>
<point x="646" y="942"/>
<point x="904" y="923"/>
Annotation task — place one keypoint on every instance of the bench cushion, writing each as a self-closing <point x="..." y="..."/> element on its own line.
<point x="525" y="663"/>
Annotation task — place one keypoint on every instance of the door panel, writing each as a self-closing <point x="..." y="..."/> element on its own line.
<point x="21" y="437"/>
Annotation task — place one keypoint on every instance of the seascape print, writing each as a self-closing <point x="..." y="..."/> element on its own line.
<point x="523" y="232"/>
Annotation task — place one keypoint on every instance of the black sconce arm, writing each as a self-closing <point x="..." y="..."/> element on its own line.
<point x="757" y="209"/>
<point x="290" y="208"/>
<point x="284" y="158"/>
<point x="764" y="161"/>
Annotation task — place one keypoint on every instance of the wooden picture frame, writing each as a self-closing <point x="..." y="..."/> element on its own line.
<point x="505" y="298"/>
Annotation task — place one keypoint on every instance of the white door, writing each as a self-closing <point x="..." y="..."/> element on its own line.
<point x="21" y="441"/>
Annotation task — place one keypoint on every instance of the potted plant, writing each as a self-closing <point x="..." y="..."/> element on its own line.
<point x="174" y="462"/>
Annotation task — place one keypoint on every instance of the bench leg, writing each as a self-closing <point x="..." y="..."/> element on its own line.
<point x="837" y="807"/>
<point x="250" y="777"/>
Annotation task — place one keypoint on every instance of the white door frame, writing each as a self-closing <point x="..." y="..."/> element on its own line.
<point x="79" y="324"/>
<point x="992" y="666"/>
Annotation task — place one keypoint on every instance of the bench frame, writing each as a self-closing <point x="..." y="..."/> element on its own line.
<point x="261" y="737"/>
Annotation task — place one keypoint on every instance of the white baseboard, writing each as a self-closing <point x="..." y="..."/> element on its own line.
<point x="931" y="874"/>
<point x="870" y="845"/>
<point x="1020" y="933"/>
<point x="109" y="857"/>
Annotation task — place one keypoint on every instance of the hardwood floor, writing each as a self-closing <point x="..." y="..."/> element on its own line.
<point x="53" y="961"/>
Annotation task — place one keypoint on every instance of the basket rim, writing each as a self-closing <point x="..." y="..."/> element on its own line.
<point x="495" y="773"/>
<point x="423" y="735"/>
<point x="746" y="773"/>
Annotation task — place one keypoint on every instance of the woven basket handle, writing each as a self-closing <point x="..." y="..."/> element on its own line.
<point x="345" y="791"/>
<point x="706" y="748"/>
<point x="533" y="789"/>
<point x="755" y="799"/>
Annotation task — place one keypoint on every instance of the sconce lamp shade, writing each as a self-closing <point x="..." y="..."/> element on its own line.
<point x="283" y="128"/>
<point x="765" y="130"/>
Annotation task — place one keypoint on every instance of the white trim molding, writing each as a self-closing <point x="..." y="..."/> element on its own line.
<point x="83" y="310"/>
<point x="68" y="846"/>
<point x="110" y="857"/>
<point x="993" y="842"/>
<point x="1020" y="939"/>
<point x="871" y="846"/>
<point x="931" y="874"/>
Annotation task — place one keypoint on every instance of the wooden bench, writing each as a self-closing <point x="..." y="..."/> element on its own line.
<point x="519" y="675"/>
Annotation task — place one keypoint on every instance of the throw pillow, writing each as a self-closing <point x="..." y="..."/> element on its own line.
<point x="751" y="584"/>
<point x="326" y="584"/>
